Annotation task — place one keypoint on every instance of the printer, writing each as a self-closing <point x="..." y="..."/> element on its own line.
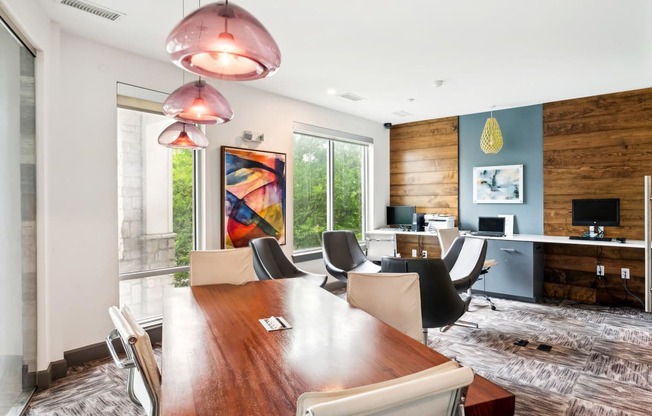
<point x="437" y="221"/>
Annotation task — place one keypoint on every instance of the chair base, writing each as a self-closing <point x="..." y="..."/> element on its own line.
<point x="459" y="322"/>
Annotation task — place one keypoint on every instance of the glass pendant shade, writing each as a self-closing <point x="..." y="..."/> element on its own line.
<point x="183" y="136"/>
<point x="491" y="140"/>
<point x="199" y="103"/>
<point x="222" y="40"/>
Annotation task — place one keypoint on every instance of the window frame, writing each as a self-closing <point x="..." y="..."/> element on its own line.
<point x="333" y="136"/>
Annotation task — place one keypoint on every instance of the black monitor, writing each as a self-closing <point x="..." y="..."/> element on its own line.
<point x="596" y="212"/>
<point x="401" y="215"/>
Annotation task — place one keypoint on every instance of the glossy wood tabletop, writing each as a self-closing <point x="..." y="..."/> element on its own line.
<point x="219" y="360"/>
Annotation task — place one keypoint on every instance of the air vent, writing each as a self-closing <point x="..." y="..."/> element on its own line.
<point x="91" y="8"/>
<point x="351" y="96"/>
<point x="401" y="113"/>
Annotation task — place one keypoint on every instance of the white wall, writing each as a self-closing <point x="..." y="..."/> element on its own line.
<point x="77" y="169"/>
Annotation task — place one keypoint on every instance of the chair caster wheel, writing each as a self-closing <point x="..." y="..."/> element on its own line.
<point x="493" y="308"/>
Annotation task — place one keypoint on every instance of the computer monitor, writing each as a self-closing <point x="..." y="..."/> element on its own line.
<point x="596" y="212"/>
<point x="401" y="215"/>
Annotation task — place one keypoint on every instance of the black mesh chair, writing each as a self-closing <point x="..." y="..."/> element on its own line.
<point x="441" y="304"/>
<point x="342" y="254"/>
<point x="270" y="262"/>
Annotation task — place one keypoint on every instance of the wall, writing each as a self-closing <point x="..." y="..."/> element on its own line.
<point x="77" y="170"/>
<point x="522" y="145"/>
<point x="596" y="147"/>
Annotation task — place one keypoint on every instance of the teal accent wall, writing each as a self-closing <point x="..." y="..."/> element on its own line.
<point x="522" y="130"/>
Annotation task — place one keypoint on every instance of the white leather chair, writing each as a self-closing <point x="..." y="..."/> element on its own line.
<point x="144" y="379"/>
<point x="233" y="266"/>
<point x="446" y="237"/>
<point x="437" y="391"/>
<point x="394" y="298"/>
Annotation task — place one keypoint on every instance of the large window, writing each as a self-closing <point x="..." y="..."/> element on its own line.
<point x="329" y="187"/>
<point x="155" y="208"/>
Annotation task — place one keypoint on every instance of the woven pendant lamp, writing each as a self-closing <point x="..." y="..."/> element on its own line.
<point x="491" y="140"/>
<point x="183" y="136"/>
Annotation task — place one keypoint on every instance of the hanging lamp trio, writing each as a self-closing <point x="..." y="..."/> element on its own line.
<point x="223" y="41"/>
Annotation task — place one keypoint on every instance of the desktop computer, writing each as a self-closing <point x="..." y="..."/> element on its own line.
<point x="418" y="221"/>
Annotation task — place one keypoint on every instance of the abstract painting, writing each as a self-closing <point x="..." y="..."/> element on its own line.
<point x="253" y="204"/>
<point x="498" y="184"/>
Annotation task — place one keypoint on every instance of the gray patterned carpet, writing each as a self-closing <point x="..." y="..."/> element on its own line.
<point x="600" y="363"/>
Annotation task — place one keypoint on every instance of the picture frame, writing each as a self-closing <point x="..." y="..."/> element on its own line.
<point x="498" y="184"/>
<point x="253" y="196"/>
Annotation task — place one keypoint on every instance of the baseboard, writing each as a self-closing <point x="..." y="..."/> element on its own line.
<point x="79" y="356"/>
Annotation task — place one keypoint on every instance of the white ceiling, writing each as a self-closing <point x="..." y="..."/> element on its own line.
<point x="502" y="53"/>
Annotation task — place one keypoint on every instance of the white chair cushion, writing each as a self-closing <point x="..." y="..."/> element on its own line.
<point x="234" y="266"/>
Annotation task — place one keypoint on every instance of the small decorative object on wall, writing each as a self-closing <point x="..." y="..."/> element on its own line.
<point x="253" y="203"/>
<point x="498" y="184"/>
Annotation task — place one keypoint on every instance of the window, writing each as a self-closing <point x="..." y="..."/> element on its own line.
<point x="156" y="208"/>
<point x="330" y="177"/>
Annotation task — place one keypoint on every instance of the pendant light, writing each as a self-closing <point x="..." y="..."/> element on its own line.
<point x="222" y="40"/>
<point x="491" y="140"/>
<point x="183" y="136"/>
<point x="197" y="102"/>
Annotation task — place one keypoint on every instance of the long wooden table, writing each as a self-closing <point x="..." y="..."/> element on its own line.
<point x="219" y="360"/>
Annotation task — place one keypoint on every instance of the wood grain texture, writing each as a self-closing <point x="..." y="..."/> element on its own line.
<point x="218" y="359"/>
<point x="424" y="161"/>
<point x="596" y="147"/>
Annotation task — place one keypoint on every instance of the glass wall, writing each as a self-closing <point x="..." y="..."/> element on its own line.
<point x="18" y="224"/>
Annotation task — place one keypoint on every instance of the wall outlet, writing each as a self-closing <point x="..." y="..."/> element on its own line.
<point x="414" y="252"/>
<point x="424" y="254"/>
<point x="624" y="273"/>
<point x="600" y="270"/>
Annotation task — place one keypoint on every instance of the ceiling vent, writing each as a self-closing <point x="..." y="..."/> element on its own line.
<point x="351" y="96"/>
<point x="91" y="8"/>
<point x="401" y="113"/>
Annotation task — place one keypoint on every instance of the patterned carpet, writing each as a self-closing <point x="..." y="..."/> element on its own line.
<point x="600" y="363"/>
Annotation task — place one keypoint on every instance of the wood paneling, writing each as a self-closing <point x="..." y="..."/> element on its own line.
<point x="424" y="172"/>
<point x="596" y="147"/>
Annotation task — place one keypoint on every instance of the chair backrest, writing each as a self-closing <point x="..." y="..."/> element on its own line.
<point x="446" y="237"/>
<point x="436" y="391"/>
<point x="466" y="257"/>
<point x="144" y="382"/>
<point x="234" y="266"/>
<point x="440" y="303"/>
<point x="269" y="260"/>
<point x="341" y="251"/>
<point x="393" y="298"/>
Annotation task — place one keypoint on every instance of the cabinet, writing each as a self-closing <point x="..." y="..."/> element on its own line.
<point x="518" y="273"/>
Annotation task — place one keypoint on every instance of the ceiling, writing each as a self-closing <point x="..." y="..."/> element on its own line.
<point x="488" y="53"/>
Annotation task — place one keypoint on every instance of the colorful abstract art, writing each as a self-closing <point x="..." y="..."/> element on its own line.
<point x="254" y="196"/>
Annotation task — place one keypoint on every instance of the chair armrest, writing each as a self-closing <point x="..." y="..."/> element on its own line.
<point x="121" y="363"/>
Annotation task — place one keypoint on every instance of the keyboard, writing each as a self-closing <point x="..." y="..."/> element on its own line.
<point x="488" y="234"/>
<point x="579" y="237"/>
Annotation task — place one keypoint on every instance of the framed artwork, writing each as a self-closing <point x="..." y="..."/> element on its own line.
<point x="253" y="196"/>
<point x="498" y="184"/>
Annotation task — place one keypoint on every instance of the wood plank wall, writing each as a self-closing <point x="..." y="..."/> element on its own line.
<point x="596" y="147"/>
<point x="424" y="172"/>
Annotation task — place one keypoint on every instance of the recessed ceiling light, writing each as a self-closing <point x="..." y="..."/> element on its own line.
<point x="331" y="91"/>
<point x="438" y="83"/>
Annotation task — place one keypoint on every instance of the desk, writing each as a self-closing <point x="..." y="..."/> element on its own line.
<point x="218" y="359"/>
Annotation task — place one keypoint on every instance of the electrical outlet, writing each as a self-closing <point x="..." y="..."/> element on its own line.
<point x="600" y="270"/>
<point x="424" y="254"/>
<point x="624" y="273"/>
<point x="414" y="252"/>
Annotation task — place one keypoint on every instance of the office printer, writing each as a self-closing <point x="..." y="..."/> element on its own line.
<point x="437" y="221"/>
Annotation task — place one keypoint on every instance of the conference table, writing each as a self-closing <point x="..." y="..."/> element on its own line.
<point x="218" y="359"/>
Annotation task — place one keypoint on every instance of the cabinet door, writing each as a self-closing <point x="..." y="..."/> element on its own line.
<point x="513" y="275"/>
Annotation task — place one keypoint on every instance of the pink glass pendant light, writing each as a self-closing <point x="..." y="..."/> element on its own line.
<point x="183" y="136"/>
<point x="223" y="40"/>
<point x="197" y="102"/>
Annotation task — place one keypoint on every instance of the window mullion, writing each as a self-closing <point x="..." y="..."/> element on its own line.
<point x="330" y="181"/>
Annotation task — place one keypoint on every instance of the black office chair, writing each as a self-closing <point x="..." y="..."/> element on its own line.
<point x="342" y="254"/>
<point x="441" y="304"/>
<point x="465" y="260"/>
<point x="270" y="262"/>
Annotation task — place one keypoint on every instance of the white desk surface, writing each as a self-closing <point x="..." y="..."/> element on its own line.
<point x="535" y="238"/>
